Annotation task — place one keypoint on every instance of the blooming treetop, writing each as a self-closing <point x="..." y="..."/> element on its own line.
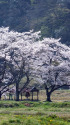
<point x="51" y="58"/>
<point x="45" y="57"/>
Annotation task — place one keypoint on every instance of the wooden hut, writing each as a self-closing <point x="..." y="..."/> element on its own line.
<point x="27" y="92"/>
<point x="34" y="89"/>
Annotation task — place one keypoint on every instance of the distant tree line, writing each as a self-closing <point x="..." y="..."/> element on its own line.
<point x="51" y="17"/>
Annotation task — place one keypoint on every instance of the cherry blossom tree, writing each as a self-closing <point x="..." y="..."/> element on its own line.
<point x="17" y="48"/>
<point x="46" y="61"/>
<point x="51" y="65"/>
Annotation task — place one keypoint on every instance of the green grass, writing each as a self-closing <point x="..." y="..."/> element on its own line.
<point x="36" y="113"/>
<point x="29" y="112"/>
<point x="35" y="120"/>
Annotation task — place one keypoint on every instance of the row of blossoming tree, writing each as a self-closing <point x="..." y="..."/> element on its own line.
<point x="46" y="61"/>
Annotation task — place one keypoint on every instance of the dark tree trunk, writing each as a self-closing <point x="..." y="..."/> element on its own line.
<point x="17" y="95"/>
<point x="17" y="91"/>
<point x="49" y="97"/>
<point x="32" y="96"/>
<point x="48" y="94"/>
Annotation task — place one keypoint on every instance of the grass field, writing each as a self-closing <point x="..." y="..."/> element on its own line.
<point x="29" y="112"/>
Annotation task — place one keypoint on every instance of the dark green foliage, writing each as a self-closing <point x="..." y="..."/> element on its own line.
<point x="52" y="17"/>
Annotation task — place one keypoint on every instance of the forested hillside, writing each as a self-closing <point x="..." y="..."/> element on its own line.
<point x="52" y="17"/>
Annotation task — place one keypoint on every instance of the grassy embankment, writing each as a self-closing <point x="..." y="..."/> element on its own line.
<point x="37" y="113"/>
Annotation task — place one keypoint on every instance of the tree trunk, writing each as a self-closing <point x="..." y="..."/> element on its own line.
<point x="17" y="95"/>
<point x="17" y="91"/>
<point x="49" y="97"/>
<point x="48" y="94"/>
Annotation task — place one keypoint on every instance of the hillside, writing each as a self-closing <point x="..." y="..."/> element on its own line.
<point x="52" y="17"/>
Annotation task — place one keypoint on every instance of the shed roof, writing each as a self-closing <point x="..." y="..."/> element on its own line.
<point x="34" y="89"/>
